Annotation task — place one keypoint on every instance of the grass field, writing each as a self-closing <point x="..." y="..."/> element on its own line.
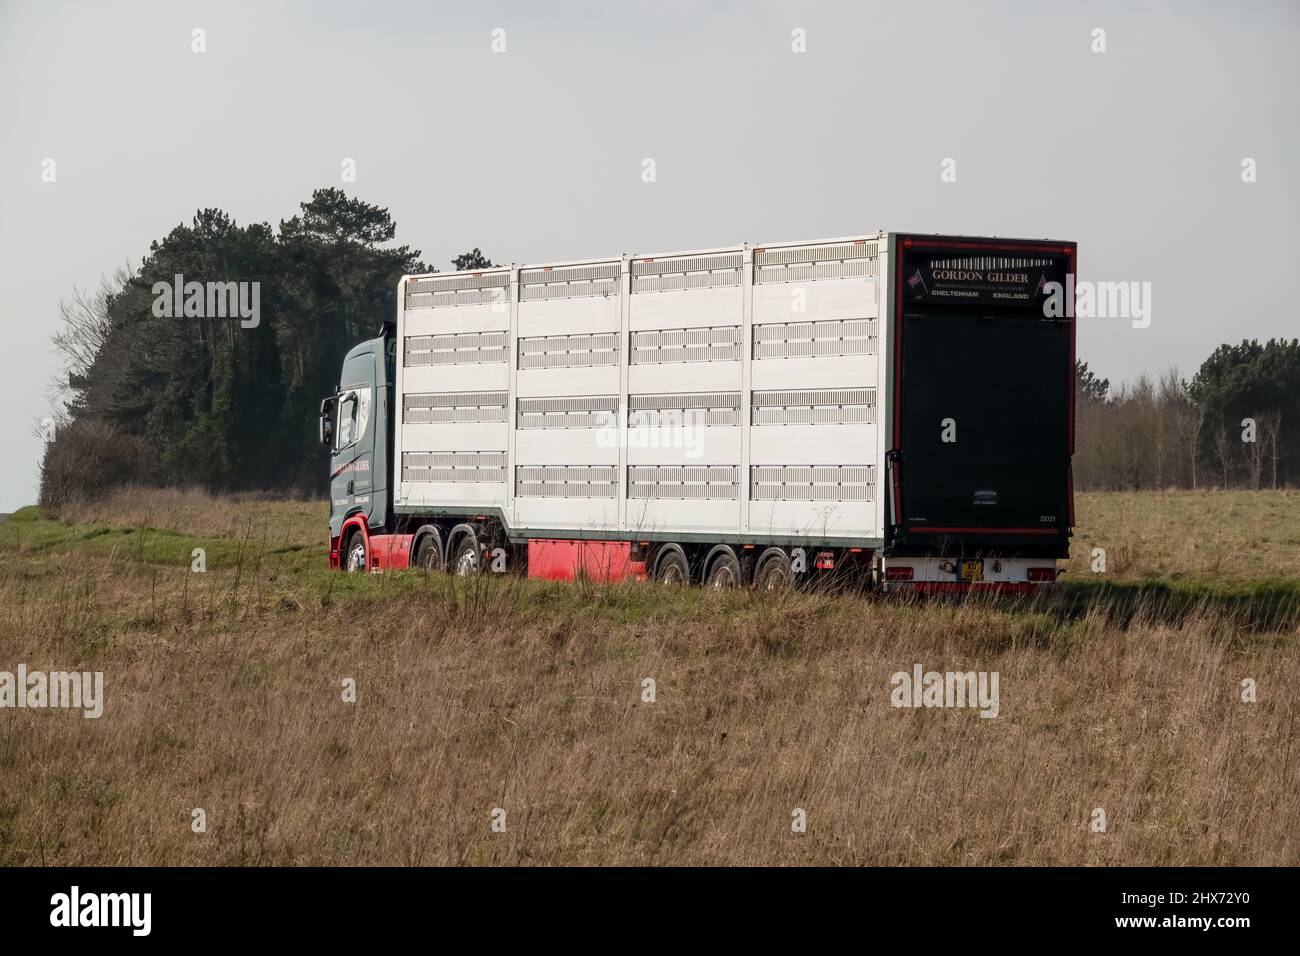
<point x="224" y="691"/>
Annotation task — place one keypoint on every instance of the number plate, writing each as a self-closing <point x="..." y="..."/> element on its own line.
<point x="972" y="570"/>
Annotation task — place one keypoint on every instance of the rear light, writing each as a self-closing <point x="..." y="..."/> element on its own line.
<point x="1042" y="574"/>
<point x="898" y="574"/>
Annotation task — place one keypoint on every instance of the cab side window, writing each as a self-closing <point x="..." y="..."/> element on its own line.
<point x="346" y="433"/>
<point x="354" y="415"/>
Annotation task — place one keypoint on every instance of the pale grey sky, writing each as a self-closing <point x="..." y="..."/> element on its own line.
<point x="535" y="154"/>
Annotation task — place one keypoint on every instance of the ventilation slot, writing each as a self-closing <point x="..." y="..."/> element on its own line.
<point x="833" y="406"/>
<point x="569" y="282"/>
<point x="720" y="344"/>
<point x="566" y="481"/>
<point x="586" y="411"/>
<point x="454" y="407"/>
<point x="453" y="466"/>
<point x="569" y="351"/>
<point x="686" y="272"/>
<point x="812" y="483"/>
<point x="698" y="482"/>
<point x="989" y="262"/>
<point x="678" y="411"/>
<point x="815" y="339"/>
<point x="492" y="288"/>
<point x="808" y="263"/>
<point x="465" y="348"/>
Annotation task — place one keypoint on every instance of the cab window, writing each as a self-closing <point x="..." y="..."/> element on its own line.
<point x="353" y="416"/>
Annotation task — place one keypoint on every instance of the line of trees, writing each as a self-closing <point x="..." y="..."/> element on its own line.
<point x="1234" y="424"/>
<point x="209" y="401"/>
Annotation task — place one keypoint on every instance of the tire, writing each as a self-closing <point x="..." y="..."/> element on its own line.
<point x="724" y="572"/>
<point x="428" y="555"/>
<point x="355" y="559"/>
<point x="774" y="572"/>
<point x="673" y="569"/>
<point x="465" y="560"/>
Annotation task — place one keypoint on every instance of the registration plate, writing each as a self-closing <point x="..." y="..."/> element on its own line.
<point x="972" y="570"/>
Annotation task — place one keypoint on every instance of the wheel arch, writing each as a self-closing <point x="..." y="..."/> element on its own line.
<point x="425" y="531"/>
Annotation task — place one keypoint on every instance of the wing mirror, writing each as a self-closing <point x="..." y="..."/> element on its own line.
<point x="327" y="408"/>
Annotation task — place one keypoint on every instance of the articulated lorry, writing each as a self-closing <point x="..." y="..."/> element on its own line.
<point x="892" y="405"/>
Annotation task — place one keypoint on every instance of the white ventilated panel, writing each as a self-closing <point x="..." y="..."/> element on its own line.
<point x="822" y="338"/>
<point x="815" y="483"/>
<point x="821" y="406"/>
<point x="598" y="280"/>
<point x="852" y="259"/>
<point x="459" y="290"/>
<point x="669" y="346"/>
<point x="569" y="411"/>
<point x="683" y="410"/>
<point x="441" y="408"/>
<point x="581" y="350"/>
<point x="688" y="273"/>
<point x="566" y="481"/>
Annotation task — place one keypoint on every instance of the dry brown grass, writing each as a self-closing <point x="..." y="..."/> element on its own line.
<point x="196" y="512"/>
<point x="1220" y="535"/>
<point x="223" y="692"/>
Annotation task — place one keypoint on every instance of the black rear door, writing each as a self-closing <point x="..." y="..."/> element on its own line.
<point x="984" y="402"/>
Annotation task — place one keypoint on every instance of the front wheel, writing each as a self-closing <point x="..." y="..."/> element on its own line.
<point x="354" y="556"/>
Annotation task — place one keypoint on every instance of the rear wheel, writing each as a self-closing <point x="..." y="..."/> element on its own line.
<point x="465" y="559"/>
<point x="428" y="554"/>
<point x="773" y="573"/>
<point x="354" y="554"/>
<point x="673" y="569"/>
<point x="724" y="572"/>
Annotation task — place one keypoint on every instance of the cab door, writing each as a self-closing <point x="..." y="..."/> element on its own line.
<point x="352" y="461"/>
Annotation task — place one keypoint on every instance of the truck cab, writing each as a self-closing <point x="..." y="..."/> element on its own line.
<point x="355" y="427"/>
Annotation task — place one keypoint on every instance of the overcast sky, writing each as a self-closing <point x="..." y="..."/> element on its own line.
<point x="536" y="153"/>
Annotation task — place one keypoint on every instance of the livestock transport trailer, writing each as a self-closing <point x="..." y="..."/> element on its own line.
<point x="892" y="404"/>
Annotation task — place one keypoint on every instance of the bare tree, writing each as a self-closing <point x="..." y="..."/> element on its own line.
<point x="1223" y="449"/>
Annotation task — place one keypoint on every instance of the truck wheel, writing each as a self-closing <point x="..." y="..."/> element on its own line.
<point x="724" y="572"/>
<point x="465" y="559"/>
<point x="428" y="556"/>
<point x="773" y="573"/>
<point x="354" y="555"/>
<point x="673" y="569"/>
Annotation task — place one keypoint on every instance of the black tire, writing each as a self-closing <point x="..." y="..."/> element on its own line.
<point x="672" y="568"/>
<point x="465" y="559"/>
<point x="724" y="572"/>
<point x="428" y="553"/>
<point x="773" y="572"/>
<point x="355" y="559"/>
